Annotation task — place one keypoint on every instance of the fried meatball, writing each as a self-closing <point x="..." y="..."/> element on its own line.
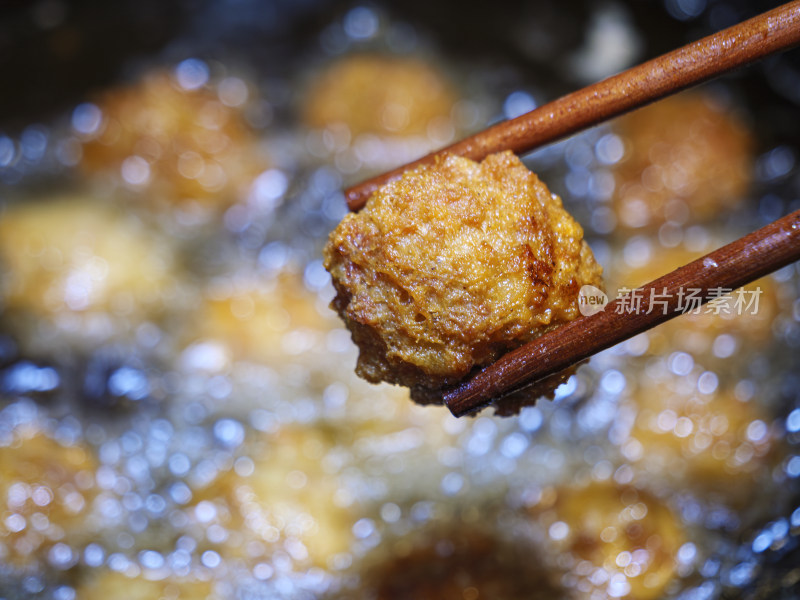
<point x="387" y="95"/>
<point x="179" y="145"/>
<point x="452" y="265"/>
<point x="686" y="159"/>
<point x="630" y="538"/>
<point x="46" y="490"/>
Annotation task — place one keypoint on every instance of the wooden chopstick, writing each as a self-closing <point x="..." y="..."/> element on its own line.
<point x="771" y="32"/>
<point x="729" y="267"/>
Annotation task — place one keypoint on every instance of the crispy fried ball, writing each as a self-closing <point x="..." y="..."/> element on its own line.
<point x="176" y="144"/>
<point x="630" y="538"/>
<point x="465" y="563"/>
<point x="711" y="443"/>
<point x="377" y="94"/>
<point x="686" y="159"/>
<point x="453" y="264"/>
<point x="71" y="255"/>
<point x="111" y="584"/>
<point x="46" y="490"/>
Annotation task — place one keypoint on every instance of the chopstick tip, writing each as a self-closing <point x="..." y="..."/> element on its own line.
<point x="461" y="400"/>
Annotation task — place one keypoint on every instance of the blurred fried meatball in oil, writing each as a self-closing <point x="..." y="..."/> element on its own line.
<point x="746" y="313"/>
<point x="378" y="94"/>
<point x="452" y="265"/>
<point x="288" y="498"/>
<point x="687" y="158"/>
<point x="75" y="254"/>
<point x="178" y="145"/>
<point x="257" y="320"/>
<point x="465" y="563"/>
<point x="623" y="542"/>
<point x="111" y="584"/>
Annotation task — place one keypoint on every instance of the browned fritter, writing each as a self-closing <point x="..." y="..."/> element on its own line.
<point x="452" y="265"/>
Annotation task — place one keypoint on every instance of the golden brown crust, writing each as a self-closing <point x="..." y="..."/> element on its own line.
<point x="452" y="265"/>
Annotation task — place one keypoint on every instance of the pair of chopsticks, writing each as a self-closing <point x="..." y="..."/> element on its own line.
<point x="734" y="265"/>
